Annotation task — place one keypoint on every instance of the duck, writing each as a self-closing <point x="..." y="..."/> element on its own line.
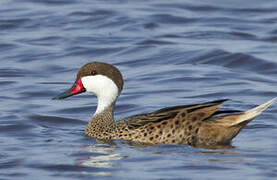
<point x="197" y="125"/>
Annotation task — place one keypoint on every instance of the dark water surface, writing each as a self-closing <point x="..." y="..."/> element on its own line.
<point x="170" y="52"/>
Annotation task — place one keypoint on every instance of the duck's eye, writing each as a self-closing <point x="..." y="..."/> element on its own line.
<point x="93" y="72"/>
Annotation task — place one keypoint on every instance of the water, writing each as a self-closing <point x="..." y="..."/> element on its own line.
<point x="170" y="53"/>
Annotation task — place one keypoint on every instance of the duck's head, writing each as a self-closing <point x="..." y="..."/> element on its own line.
<point x="104" y="80"/>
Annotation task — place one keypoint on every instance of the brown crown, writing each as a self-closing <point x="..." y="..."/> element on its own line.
<point x="103" y="69"/>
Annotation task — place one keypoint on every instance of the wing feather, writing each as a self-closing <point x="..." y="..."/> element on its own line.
<point x="199" y="111"/>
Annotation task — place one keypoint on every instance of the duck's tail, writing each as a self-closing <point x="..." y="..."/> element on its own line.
<point x="242" y="118"/>
<point x="252" y="113"/>
<point x="222" y="129"/>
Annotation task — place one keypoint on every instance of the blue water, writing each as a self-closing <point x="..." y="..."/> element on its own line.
<point x="170" y="53"/>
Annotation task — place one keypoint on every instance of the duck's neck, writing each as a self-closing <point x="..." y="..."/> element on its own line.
<point x="102" y="125"/>
<point x="105" y="103"/>
<point x="105" y="116"/>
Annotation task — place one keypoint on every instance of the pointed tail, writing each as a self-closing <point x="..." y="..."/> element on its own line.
<point x="252" y="113"/>
<point x="241" y="118"/>
<point x="222" y="129"/>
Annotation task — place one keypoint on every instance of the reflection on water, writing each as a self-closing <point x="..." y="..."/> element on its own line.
<point x="236" y="160"/>
<point x="103" y="157"/>
<point x="227" y="156"/>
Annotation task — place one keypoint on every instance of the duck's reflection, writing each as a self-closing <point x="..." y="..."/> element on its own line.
<point x="101" y="156"/>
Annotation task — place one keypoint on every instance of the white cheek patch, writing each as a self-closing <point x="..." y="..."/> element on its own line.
<point x="103" y="87"/>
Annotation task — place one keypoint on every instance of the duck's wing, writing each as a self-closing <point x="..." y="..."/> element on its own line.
<point x="198" y="112"/>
